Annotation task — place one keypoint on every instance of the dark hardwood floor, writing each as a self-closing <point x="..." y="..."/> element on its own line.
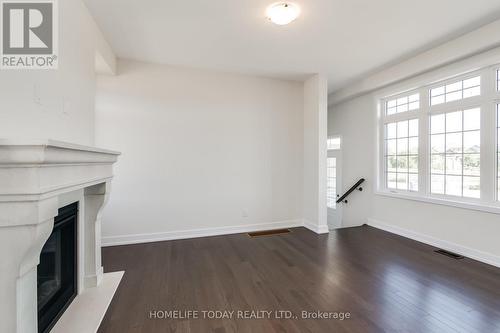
<point x="387" y="283"/>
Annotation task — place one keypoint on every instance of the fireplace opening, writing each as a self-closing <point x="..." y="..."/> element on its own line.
<point x="56" y="273"/>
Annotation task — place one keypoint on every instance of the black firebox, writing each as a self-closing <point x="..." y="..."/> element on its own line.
<point x="56" y="274"/>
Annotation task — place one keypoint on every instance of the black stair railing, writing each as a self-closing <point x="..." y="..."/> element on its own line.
<point x="352" y="189"/>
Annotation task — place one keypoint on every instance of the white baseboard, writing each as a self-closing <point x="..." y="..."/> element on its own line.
<point x="194" y="233"/>
<point x="319" y="229"/>
<point x="478" y="255"/>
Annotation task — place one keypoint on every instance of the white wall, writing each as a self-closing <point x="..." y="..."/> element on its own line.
<point x="315" y="136"/>
<point x="472" y="233"/>
<point x="458" y="49"/>
<point x="199" y="150"/>
<point x="57" y="104"/>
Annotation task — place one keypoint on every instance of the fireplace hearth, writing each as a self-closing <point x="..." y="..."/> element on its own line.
<point x="57" y="271"/>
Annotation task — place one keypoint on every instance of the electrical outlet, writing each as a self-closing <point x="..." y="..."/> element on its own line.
<point x="244" y="213"/>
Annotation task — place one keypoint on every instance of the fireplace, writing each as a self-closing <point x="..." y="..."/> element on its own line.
<point x="37" y="177"/>
<point x="57" y="271"/>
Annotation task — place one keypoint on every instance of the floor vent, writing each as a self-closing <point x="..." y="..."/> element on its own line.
<point x="449" y="254"/>
<point x="268" y="232"/>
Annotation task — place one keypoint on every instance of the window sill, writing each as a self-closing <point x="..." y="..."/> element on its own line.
<point x="494" y="209"/>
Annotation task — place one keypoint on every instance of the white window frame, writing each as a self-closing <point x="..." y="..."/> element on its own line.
<point x="497" y="78"/>
<point x="455" y="80"/>
<point x="328" y="178"/>
<point x="497" y="159"/>
<point x="397" y="155"/>
<point x="337" y="168"/>
<point x="394" y="118"/>
<point x="331" y="137"/>
<point x="487" y="101"/>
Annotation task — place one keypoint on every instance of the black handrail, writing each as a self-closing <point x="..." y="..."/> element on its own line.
<point x="354" y="187"/>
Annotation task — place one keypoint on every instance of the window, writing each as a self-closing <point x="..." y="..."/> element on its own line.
<point x="498" y="79"/>
<point x="403" y="104"/>
<point x="333" y="143"/>
<point x="498" y="152"/>
<point x="455" y="153"/>
<point x="447" y="149"/>
<point x="402" y="155"/>
<point x="456" y="91"/>
<point x="331" y="188"/>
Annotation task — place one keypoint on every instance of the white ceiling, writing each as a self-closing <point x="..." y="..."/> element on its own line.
<point x="345" y="39"/>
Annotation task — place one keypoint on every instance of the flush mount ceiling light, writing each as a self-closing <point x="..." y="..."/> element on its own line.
<point x="282" y="13"/>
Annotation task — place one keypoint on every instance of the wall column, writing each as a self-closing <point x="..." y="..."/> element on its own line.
<point x="315" y="153"/>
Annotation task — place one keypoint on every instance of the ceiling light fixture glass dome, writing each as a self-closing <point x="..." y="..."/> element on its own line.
<point x="282" y="13"/>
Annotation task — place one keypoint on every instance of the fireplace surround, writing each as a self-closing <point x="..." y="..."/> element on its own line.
<point x="37" y="178"/>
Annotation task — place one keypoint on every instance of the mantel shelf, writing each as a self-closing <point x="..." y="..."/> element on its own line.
<point x="38" y="169"/>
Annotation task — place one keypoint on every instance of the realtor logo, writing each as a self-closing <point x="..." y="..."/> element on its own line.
<point x="29" y="34"/>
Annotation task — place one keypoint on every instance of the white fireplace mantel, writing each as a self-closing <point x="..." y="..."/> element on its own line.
<point x="36" y="179"/>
